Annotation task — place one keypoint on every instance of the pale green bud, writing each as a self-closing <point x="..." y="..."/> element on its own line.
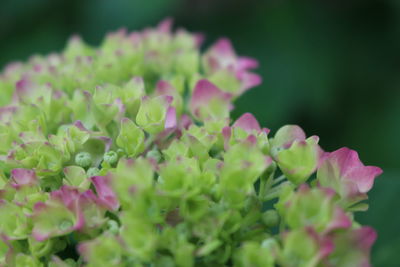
<point x="83" y="159"/>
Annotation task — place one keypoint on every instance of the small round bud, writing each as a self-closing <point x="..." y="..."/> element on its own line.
<point x="154" y="154"/>
<point x="270" y="218"/>
<point x="83" y="159"/>
<point x="92" y="172"/>
<point x="111" y="157"/>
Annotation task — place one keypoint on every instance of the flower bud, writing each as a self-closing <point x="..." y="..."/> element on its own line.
<point x="92" y="172"/>
<point x="270" y="218"/>
<point x="83" y="159"/>
<point x="111" y="157"/>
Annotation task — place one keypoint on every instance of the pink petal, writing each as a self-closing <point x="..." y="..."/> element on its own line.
<point x="185" y="121"/>
<point x="105" y="193"/>
<point x="221" y="55"/>
<point x="223" y="47"/>
<point x="24" y="176"/>
<point x="198" y="39"/>
<point x="286" y="135"/>
<point x="165" y="88"/>
<point x="248" y="123"/>
<point x="249" y="80"/>
<point x="170" y="118"/>
<point x="326" y="245"/>
<point x="365" y="237"/>
<point x="66" y="195"/>
<point x="340" y="220"/>
<point x="251" y="139"/>
<point x="226" y="133"/>
<point x="23" y="89"/>
<point x="165" y="25"/>
<point x="203" y="93"/>
<point x="80" y="126"/>
<point x="39" y="236"/>
<point x="247" y="63"/>
<point x="352" y="169"/>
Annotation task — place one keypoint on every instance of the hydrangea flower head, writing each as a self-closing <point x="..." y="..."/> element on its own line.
<point x="126" y="155"/>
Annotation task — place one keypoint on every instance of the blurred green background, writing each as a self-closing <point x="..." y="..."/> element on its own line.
<point x="331" y="66"/>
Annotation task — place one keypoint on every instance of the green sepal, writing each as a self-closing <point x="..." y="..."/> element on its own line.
<point x="300" y="160"/>
<point x="131" y="138"/>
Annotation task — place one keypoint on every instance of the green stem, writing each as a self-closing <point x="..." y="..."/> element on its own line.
<point x="273" y="193"/>
<point x="265" y="184"/>
<point x="279" y="179"/>
<point x="281" y="225"/>
<point x="148" y="144"/>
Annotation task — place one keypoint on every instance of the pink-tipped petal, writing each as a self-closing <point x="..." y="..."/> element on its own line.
<point x="165" y="88"/>
<point x="23" y="86"/>
<point x="287" y="134"/>
<point x="165" y="26"/>
<point x="39" y="236"/>
<point x="80" y="126"/>
<point x="339" y="221"/>
<point x="105" y="193"/>
<point x="325" y="244"/>
<point x="226" y="133"/>
<point x="204" y="93"/>
<point x="365" y="237"/>
<point x="66" y="195"/>
<point x="170" y="118"/>
<point x="352" y="176"/>
<point x="247" y="63"/>
<point x="198" y="39"/>
<point x="24" y="177"/>
<point x="251" y="139"/>
<point x="249" y="80"/>
<point x="326" y="248"/>
<point x="185" y="121"/>
<point x="223" y="47"/>
<point x="248" y="123"/>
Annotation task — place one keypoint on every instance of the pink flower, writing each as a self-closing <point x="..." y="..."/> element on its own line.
<point x="222" y="56"/>
<point x="209" y="101"/>
<point x="66" y="211"/>
<point x="343" y="171"/>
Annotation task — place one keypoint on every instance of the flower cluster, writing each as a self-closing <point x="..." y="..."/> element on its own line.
<point x="125" y="155"/>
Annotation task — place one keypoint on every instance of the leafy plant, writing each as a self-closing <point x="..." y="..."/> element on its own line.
<point x="125" y="155"/>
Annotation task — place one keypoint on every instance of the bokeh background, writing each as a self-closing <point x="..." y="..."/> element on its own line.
<point x="331" y="66"/>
